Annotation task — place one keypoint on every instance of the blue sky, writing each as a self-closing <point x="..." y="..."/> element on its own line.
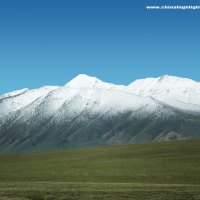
<point x="49" y="42"/>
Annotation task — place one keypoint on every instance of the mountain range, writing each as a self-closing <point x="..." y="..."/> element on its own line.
<point x="89" y="112"/>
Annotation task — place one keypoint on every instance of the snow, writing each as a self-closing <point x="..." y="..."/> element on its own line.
<point x="90" y="93"/>
<point x="14" y="93"/>
<point x="85" y="81"/>
<point x="16" y="100"/>
<point x="175" y="91"/>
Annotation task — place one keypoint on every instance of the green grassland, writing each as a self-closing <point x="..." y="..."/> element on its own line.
<point x="165" y="170"/>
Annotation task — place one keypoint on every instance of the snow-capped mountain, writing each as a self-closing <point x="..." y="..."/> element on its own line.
<point x="175" y="91"/>
<point x="88" y="111"/>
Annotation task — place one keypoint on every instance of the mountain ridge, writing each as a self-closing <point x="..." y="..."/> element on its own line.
<point x="88" y="111"/>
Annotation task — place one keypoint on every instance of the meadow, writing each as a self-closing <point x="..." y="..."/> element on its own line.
<point x="164" y="170"/>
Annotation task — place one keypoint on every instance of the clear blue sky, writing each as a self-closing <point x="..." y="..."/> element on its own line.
<point x="48" y="42"/>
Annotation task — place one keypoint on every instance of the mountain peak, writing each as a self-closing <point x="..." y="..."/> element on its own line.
<point x="85" y="77"/>
<point x="178" y="82"/>
<point x="168" y="77"/>
<point x="164" y="77"/>
<point x="83" y="81"/>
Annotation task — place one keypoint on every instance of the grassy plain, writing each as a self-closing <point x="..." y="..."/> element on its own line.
<point x="165" y="170"/>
